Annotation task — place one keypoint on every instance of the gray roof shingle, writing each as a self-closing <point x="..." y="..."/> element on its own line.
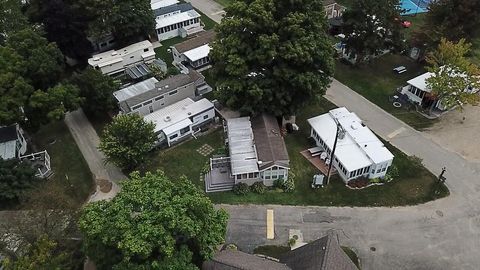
<point x="202" y="38"/>
<point x="234" y="260"/>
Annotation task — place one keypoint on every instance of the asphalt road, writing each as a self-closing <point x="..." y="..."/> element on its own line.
<point x="87" y="140"/>
<point x="443" y="234"/>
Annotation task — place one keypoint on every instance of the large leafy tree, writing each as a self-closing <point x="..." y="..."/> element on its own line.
<point x="97" y="89"/>
<point x="272" y="55"/>
<point x="153" y="223"/>
<point x="371" y="26"/>
<point x="126" y="20"/>
<point x="65" y="23"/>
<point x="11" y="18"/>
<point x="42" y="255"/>
<point x="452" y="19"/>
<point x="453" y="75"/>
<point x="15" y="179"/>
<point x="127" y="140"/>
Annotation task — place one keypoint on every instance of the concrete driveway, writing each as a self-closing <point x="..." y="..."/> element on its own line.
<point x="459" y="131"/>
<point x="444" y="234"/>
<point x="210" y="8"/>
<point x="87" y="140"/>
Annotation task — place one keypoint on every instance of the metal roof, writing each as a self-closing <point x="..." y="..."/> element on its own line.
<point x="135" y="89"/>
<point x="243" y="155"/>
<point x="359" y="148"/>
<point x="420" y="82"/>
<point x="198" y="53"/>
<point x="137" y="71"/>
<point x="157" y="4"/>
<point x="8" y="133"/>
<point x="8" y="150"/>
<point x="177" y="113"/>
<point x="176" y="18"/>
<point x="173" y="8"/>
<point x="114" y="56"/>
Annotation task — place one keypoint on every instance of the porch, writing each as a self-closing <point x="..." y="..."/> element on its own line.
<point x="315" y="159"/>
<point x="219" y="178"/>
<point x="40" y="162"/>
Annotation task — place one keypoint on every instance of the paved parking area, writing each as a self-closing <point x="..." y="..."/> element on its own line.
<point x="458" y="131"/>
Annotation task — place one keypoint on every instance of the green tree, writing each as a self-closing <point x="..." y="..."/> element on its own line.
<point x="15" y="179"/>
<point x="97" y="90"/>
<point x="65" y="22"/>
<point x="126" y="20"/>
<point x="153" y="223"/>
<point x="127" y="140"/>
<point x="272" y="55"/>
<point x="453" y="75"/>
<point x="372" y="26"/>
<point x="40" y="256"/>
<point x="52" y="104"/>
<point x="11" y="18"/>
<point x="43" y="61"/>
<point x="452" y="19"/>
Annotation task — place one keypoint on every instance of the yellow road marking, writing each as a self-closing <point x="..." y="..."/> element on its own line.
<point x="270" y="225"/>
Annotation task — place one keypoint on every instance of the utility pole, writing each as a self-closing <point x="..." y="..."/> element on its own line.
<point x="339" y="132"/>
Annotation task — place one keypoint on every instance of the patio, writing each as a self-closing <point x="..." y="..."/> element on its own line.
<point x="316" y="161"/>
<point x="219" y="178"/>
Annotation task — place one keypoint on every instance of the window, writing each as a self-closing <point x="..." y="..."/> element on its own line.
<point x="384" y="169"/>
<point x="145" y="50"/>
<point x="205" y="116"/>
<point x="148" y="102"/>
<point x="379" y="170"/>
<point x="239" y="176"/>
<point x="173" y="136"/>
<point x="184" y="130"/>
<point x="172" y="93"/>
<point x="150" y="108"/>
<point x="250" y="175"/>
<point x="136" y="107"/>
<point x="158" y="98"/>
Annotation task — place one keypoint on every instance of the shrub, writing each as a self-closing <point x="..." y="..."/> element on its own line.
<point x="241" y="189"/>
<point x="292" y="241"/>
<point x="206" y="168"/>
<point x="278" y="183"/>
<point x="258" y="187"/>
<point x="393" y="171"/>
<point x="289" y="184"/>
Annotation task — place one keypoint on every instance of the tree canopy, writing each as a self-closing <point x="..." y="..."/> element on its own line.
<point x="451" y="19"/>
<point x="153" y="223"/>
<point x="97" y="90"/>
<point x="272" y="55"/>
<point x="371" y="26"/>
<point x="15" y="179"/>
<point x="30" y="71"/>
<point x="127" y="140"/>
<point x="11" y="18"/>
<point x="454" y="75"/>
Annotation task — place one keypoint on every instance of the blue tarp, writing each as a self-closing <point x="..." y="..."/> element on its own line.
<point x="414" y="6"/>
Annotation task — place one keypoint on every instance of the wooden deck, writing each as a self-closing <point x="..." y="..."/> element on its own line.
<point x="318" y="163"/>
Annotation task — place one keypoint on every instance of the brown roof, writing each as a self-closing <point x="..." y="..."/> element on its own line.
<point x="234" y="259"/>
<point x="269" y="142"/>
<point x="201" y="39"/>
<point x="322" y="254"/>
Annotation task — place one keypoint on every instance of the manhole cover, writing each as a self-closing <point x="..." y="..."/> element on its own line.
<point x="373" y="248"/>
<point x="439" y="213"/>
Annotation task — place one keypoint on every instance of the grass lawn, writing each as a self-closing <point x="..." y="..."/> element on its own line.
<point x="71" y="172"/>
<point x="376" y="82"/>
<point x="414" y="185"/>
<point x="417" y="22"/>
<point x="162" y="53"/>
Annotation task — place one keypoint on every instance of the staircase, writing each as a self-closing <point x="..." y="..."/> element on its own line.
<point x="216" y="182"/>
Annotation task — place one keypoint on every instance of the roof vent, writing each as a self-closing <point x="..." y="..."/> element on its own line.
<point x="166" y="86"/>
<point x="167" y="118"/>
<point x="189" y="113"/>
<point x="96" y="59"/>
<point x="365" y="145"/>
<point x="114" y="53"/>
<point x="259" y="162"/>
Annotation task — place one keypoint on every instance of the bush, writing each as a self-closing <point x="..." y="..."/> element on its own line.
<point x="258" y="187"/>
<point x="206" y="168"/>
<point x="289" y="184"/>
<point x="278" y="183"/>
<point x="393" y="171"/>
<point x="241" y="189"/>
<point x="292" y="241"/>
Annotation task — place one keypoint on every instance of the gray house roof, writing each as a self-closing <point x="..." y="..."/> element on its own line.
<point x="269" y="142"/>
<point x="202" y="38"/>
<point x="234" y="259"/>
<point x="322" y="254"/>
<point x="8" y="133"/>
<point x="157" y="88"/>
<point x="169" y="9"/>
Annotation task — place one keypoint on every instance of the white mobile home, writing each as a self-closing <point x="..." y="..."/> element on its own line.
<point x="180" y="120"/>
<point x="159" y="4"/>
<point x="113" y="62"/>
<point x="193" y="53"/>
<point x="359" y="153"/>
<point x="177" y="20"/>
